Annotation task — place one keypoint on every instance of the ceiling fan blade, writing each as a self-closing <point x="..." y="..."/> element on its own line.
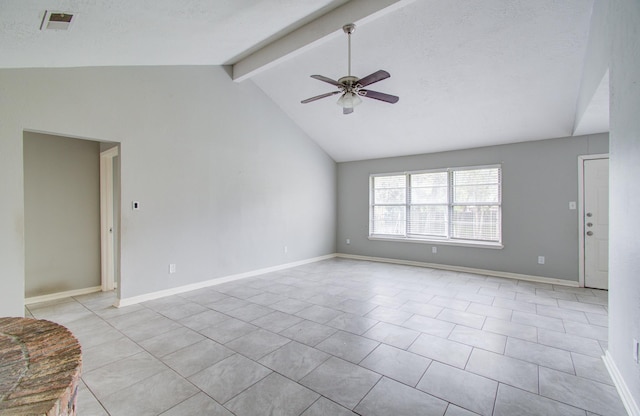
<point x="327" y="80"/>
<point x="387" y="98"/>
<point x="375" y="77"/>
<point x="347" y="110"/>
<point x="317" y="97"/>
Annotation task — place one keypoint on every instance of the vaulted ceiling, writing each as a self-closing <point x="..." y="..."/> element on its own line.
<point x="468" y="73"/>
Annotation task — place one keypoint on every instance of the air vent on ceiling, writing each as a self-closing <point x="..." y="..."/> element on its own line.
<point x="57" y="20"/>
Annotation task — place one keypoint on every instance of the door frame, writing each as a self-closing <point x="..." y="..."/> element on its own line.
<point x="581" y="160"/>
<point x="107" y="220"/>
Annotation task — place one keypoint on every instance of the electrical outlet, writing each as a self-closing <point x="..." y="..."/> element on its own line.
<point x="540" y="259"/>
<point x="172" y="268"/>
<point x="286" y="249"/>
<point x="348" y="241"/>
<point x="434" y="250"/>
<point x="572" y="205"/>
<point x="636" y="351"/>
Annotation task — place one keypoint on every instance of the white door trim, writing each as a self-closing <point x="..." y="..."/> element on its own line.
<point x="107" y="275"/>
<point x="581" y="160"/>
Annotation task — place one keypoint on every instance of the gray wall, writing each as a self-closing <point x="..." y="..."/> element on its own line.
<point x="224" y="178"/>
<point x="62" y="214"/>
<point x="539" y="179"/>
<point x="624" y="250"/>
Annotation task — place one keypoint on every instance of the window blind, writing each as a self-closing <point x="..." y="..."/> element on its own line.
<point x="446" y="204"/>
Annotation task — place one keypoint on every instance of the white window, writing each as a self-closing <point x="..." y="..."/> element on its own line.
<point x="456" y="205"/>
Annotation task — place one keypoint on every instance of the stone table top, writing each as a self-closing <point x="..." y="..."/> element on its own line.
<point x="40" y="363"/>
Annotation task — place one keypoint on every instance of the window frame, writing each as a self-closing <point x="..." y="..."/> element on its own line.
<point x="432" y="239"/>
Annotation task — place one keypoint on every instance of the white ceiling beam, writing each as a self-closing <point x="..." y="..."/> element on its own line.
<point x="313" y="34"/>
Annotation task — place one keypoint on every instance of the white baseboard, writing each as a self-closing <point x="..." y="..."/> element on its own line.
<point x="495" y="273"/>
<point x="624" y="392"/>
<point x="199" y="285"/>
<point x="61" y="295"/>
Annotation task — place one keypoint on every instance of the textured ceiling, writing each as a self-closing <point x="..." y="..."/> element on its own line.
<point x="148" y="32"/>
<point x="469" y="73"/>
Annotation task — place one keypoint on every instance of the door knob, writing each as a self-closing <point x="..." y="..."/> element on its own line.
<point x="589" y="214"/>
<point x="589" y="233"/>
<point x="589" y="224"/>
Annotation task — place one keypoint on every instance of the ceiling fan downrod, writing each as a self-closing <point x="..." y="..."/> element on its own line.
<point x="349" y="28"/>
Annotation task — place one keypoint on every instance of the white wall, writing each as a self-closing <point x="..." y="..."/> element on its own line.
<point x="539" y="179"/>
<point x="596" y="62"/>
<point x="624" y="249"/>
<point x="224" y="178"/>
<point x="62" y="214"/>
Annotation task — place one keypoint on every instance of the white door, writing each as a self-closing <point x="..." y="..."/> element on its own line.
<point x="596" y="223"/>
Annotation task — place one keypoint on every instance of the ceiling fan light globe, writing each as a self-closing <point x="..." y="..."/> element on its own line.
<point x="349" y="100"/>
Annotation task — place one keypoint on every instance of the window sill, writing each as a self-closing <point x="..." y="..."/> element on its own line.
<point x="435" y="241"/>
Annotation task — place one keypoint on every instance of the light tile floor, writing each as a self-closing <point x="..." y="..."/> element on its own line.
<point x="343" y="336"/>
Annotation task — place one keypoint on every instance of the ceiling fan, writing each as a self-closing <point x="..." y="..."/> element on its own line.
<point x="352" y="88"/>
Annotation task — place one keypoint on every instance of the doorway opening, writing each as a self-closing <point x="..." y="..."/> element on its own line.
<point x="63" y="182"/>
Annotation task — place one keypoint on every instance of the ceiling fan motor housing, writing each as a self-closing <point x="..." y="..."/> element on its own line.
<point x="349" y="81"/>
